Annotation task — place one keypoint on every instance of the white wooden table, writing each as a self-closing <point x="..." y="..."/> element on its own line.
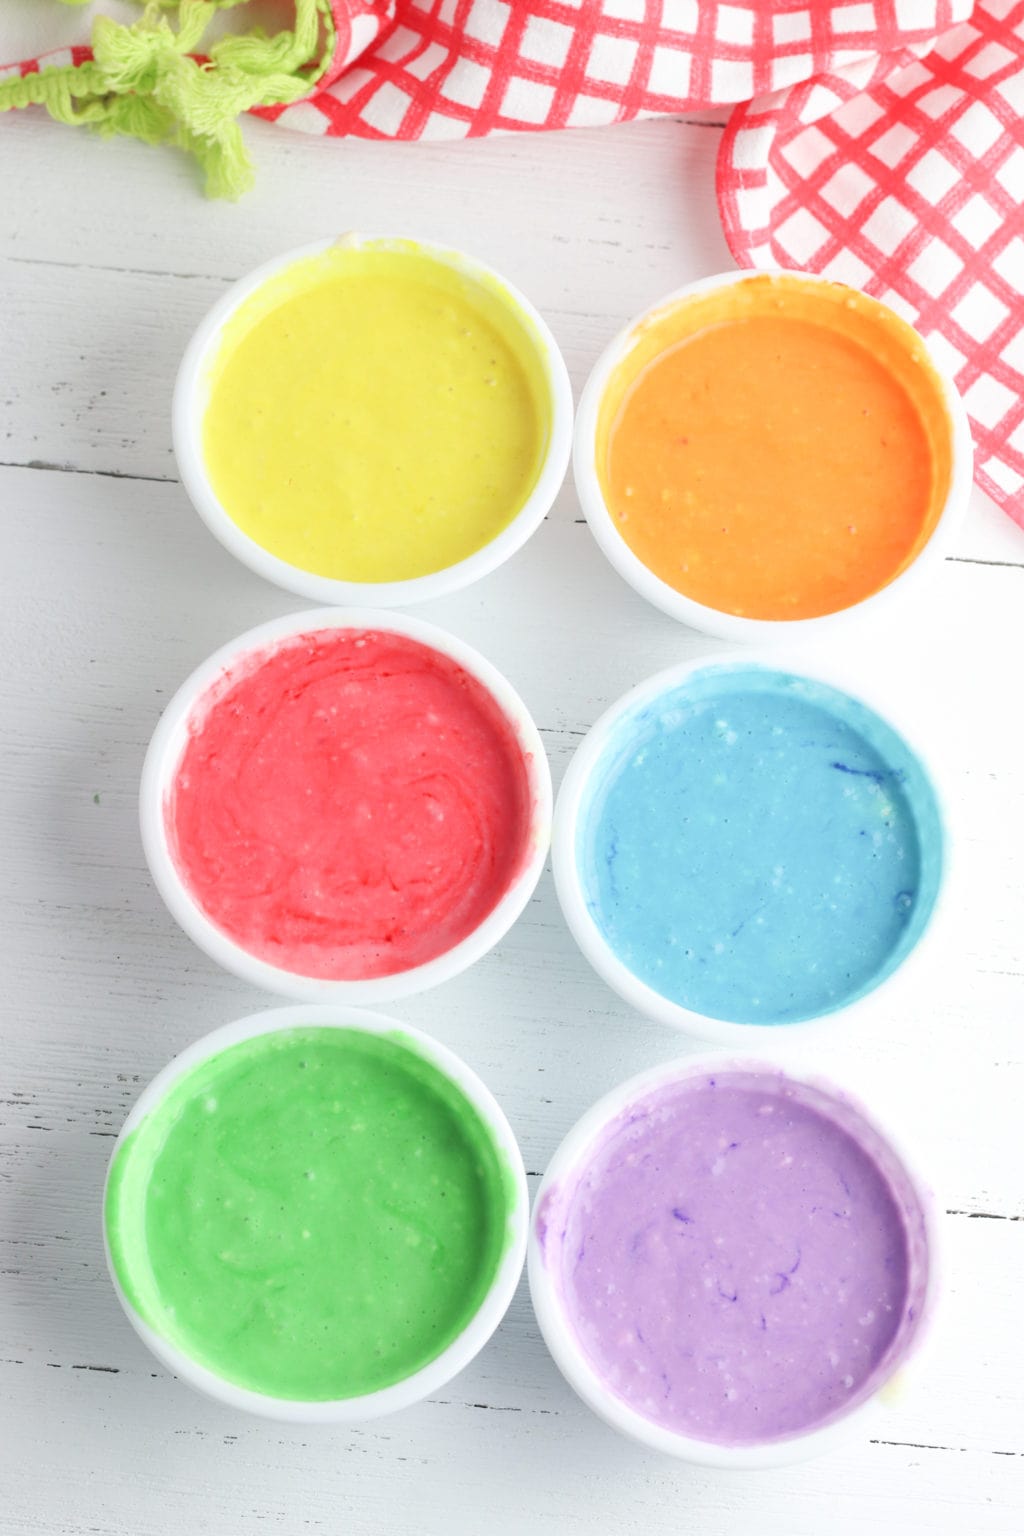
<point x="111" y="590"/>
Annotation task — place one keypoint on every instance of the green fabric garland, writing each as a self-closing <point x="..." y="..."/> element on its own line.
<point x="142" y="81"/>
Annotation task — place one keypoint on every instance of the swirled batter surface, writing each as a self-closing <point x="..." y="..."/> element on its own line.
<point x="776" y="448"/>
<point x="349" y="804"/>
<point x="740" y="1256"/>
<point x="376" y="414"/>
<point x="315" y="1213"/>
<point x="760" y="847"/>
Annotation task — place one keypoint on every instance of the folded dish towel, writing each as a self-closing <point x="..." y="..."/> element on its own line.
<point x="908" y="181"/>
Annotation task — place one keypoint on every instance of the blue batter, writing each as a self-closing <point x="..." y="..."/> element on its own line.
<point x="759" y="847"/>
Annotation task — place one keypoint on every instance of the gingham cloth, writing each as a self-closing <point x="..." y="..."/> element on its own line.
<point x="909" y="185"/>
<point x="454" y="69"/>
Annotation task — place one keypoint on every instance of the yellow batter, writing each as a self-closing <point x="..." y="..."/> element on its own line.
<point x="375" y="415"/>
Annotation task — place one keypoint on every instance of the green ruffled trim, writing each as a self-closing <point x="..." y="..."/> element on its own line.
<point x="142" y="82"/>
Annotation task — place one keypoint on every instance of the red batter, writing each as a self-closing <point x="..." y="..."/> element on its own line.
<point x="350" y="803"/>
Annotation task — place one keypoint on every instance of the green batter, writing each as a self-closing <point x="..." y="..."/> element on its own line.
<point x="312" y="1214"/>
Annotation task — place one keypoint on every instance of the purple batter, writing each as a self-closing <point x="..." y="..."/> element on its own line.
<point x="740" y="1256"/>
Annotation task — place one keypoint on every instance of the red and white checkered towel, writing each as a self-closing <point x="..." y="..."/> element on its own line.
<point x="910" y="184"/>
<point x="453" y="69"/>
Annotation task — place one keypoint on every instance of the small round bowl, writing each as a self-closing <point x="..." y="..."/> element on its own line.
<point x="698" y="615"/>
<point x="191" y="396"/>
<point x="164" y="754"/>
<point x="573" y="799"/>
<point x="481" y="1326"/>
<point x="925" y="1267"/>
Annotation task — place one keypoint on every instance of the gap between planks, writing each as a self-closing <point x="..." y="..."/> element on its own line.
<point x="920" y="1445"/>
<point x="447" y="1402"/>
<point x="50" y="467"/>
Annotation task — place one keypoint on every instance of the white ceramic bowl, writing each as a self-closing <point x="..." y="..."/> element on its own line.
<point x="713" y="621"/>
<point x="191" y="396"/>
<point x="164" y="754"/>
<point x="492" y="1309"/>
<point x="572" y="801"/>
<point x="560" y="1337"/>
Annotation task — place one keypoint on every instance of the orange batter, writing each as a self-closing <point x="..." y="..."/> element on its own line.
<point x="775" y="448"/>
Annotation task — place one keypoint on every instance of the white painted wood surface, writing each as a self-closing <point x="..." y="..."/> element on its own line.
<point x="111" y="591"/>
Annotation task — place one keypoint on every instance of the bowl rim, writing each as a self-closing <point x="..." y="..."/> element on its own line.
<point x="189" y="403"/>
<point x="494" y="1305"/>
<point x="568" y="1354"/>
<point x="714" y="621"/>
<point x="164" y="752"/>
<point x="599" y="952"/>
